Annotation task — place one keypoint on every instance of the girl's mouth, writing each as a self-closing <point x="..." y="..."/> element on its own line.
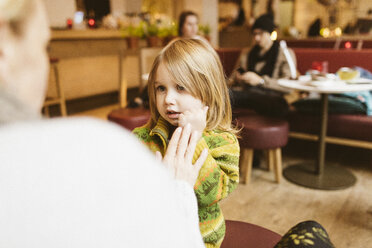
<point x="173" y="114"/>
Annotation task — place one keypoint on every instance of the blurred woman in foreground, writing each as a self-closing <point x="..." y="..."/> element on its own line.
<point x="68" y="182"/>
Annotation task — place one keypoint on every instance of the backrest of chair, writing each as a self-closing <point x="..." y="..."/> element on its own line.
<point x="147" y="57"/>
<point x="229" y="58"/>
<point x="241" y="234"/>
<point x="336" y="58"/>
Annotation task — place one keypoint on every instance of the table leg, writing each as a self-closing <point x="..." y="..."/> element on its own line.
<point x="122" y="83"/>
<point x="317" y="175"/>
<point x="322" y="135"/>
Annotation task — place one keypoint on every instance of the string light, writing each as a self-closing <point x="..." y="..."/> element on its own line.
<point x="91" y="23"/>
<point x="348" y="45"/>
<point x="274" y="35"/>
<point x="69" y="23"/>
<point x="338" y="31"/>
<point x="325" y="32"/>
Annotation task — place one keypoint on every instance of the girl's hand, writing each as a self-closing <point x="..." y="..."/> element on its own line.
<point x="178" y="157"/>
<point x="197" y="118"/>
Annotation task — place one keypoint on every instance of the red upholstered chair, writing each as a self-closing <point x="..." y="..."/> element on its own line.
<point x="241" y="234"/>
<point x="130" y="118"/>
<point x="229" y="58"/>
<point x="263" y="133"/>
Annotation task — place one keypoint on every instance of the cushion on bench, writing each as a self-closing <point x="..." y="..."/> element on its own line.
<point x="357" y="127"/>
<point x="336" y="58"/>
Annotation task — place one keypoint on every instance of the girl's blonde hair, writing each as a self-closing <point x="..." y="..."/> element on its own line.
<point x="195" y="65"/>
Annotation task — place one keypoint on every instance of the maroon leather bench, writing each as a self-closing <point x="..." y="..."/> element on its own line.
<point x="310" y="43"/>
<point x="343" y="126"/>
<point x="329" y="43"/>
<point x="336" y="58"/>
<point x="352" y="130"/>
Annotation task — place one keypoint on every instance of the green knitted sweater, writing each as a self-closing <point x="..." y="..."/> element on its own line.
<point x="217" y="178"/>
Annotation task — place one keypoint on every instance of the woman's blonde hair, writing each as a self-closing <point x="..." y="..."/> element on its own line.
<point x="195" y="65"/>
<point x="16" y="13"/>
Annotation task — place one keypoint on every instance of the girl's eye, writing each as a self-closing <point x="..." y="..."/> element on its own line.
<point x="180" y="88"/>
<point x="160" y="88"/>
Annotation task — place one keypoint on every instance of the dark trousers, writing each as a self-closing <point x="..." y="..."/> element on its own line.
<point x="263" y="101"/>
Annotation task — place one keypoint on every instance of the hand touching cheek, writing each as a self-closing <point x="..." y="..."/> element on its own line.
<point x="196" y="117"/>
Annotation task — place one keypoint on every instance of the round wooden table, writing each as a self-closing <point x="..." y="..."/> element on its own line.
<point x="316" y="174"/>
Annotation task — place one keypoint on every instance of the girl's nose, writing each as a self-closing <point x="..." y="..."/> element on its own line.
<point x="170" y="97"/>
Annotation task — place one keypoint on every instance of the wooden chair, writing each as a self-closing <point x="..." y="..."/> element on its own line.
<point x="59" y="98"/>
<point x="130" y="118"/>
<point x="146" y="59"/>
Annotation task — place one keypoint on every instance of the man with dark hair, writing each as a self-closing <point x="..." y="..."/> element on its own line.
<point x="255" y="81"/>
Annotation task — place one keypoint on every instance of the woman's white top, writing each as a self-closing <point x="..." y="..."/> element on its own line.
<point x="79" y="182"/>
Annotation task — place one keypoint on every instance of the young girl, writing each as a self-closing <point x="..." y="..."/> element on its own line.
<point x="187" y="89"/>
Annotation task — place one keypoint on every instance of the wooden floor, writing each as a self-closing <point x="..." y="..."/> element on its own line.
<point x="346" y="214"/>
<point x="100" y="113"/>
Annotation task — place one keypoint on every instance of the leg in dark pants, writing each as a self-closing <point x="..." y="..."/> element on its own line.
<point x="263" y="101"/>
<point x="306" y="234"/>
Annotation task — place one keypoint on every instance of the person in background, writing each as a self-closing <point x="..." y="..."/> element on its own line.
<point x="240" y="19"/>
<point x="79" y="182"/>
<point x="188" y="26"/>
<point x="254" y="83"/>
<point x="314" y="29"/>
<point x="187" y="89"/>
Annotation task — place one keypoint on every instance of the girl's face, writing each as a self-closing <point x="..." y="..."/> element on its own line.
<point x="190" y="27"/>
<point x="172" y="100"/>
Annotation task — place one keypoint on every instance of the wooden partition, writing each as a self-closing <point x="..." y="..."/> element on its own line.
<point x="90" y="61"/>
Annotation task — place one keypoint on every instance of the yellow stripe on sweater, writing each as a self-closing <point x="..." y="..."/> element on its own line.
<point x="205" y="227"/>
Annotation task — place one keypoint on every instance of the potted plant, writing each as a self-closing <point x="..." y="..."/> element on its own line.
<point x="169" y="33"/>
<point x="205" y="31"/>
<point x="133" y="34"/>
<point x="152" y="34"/>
